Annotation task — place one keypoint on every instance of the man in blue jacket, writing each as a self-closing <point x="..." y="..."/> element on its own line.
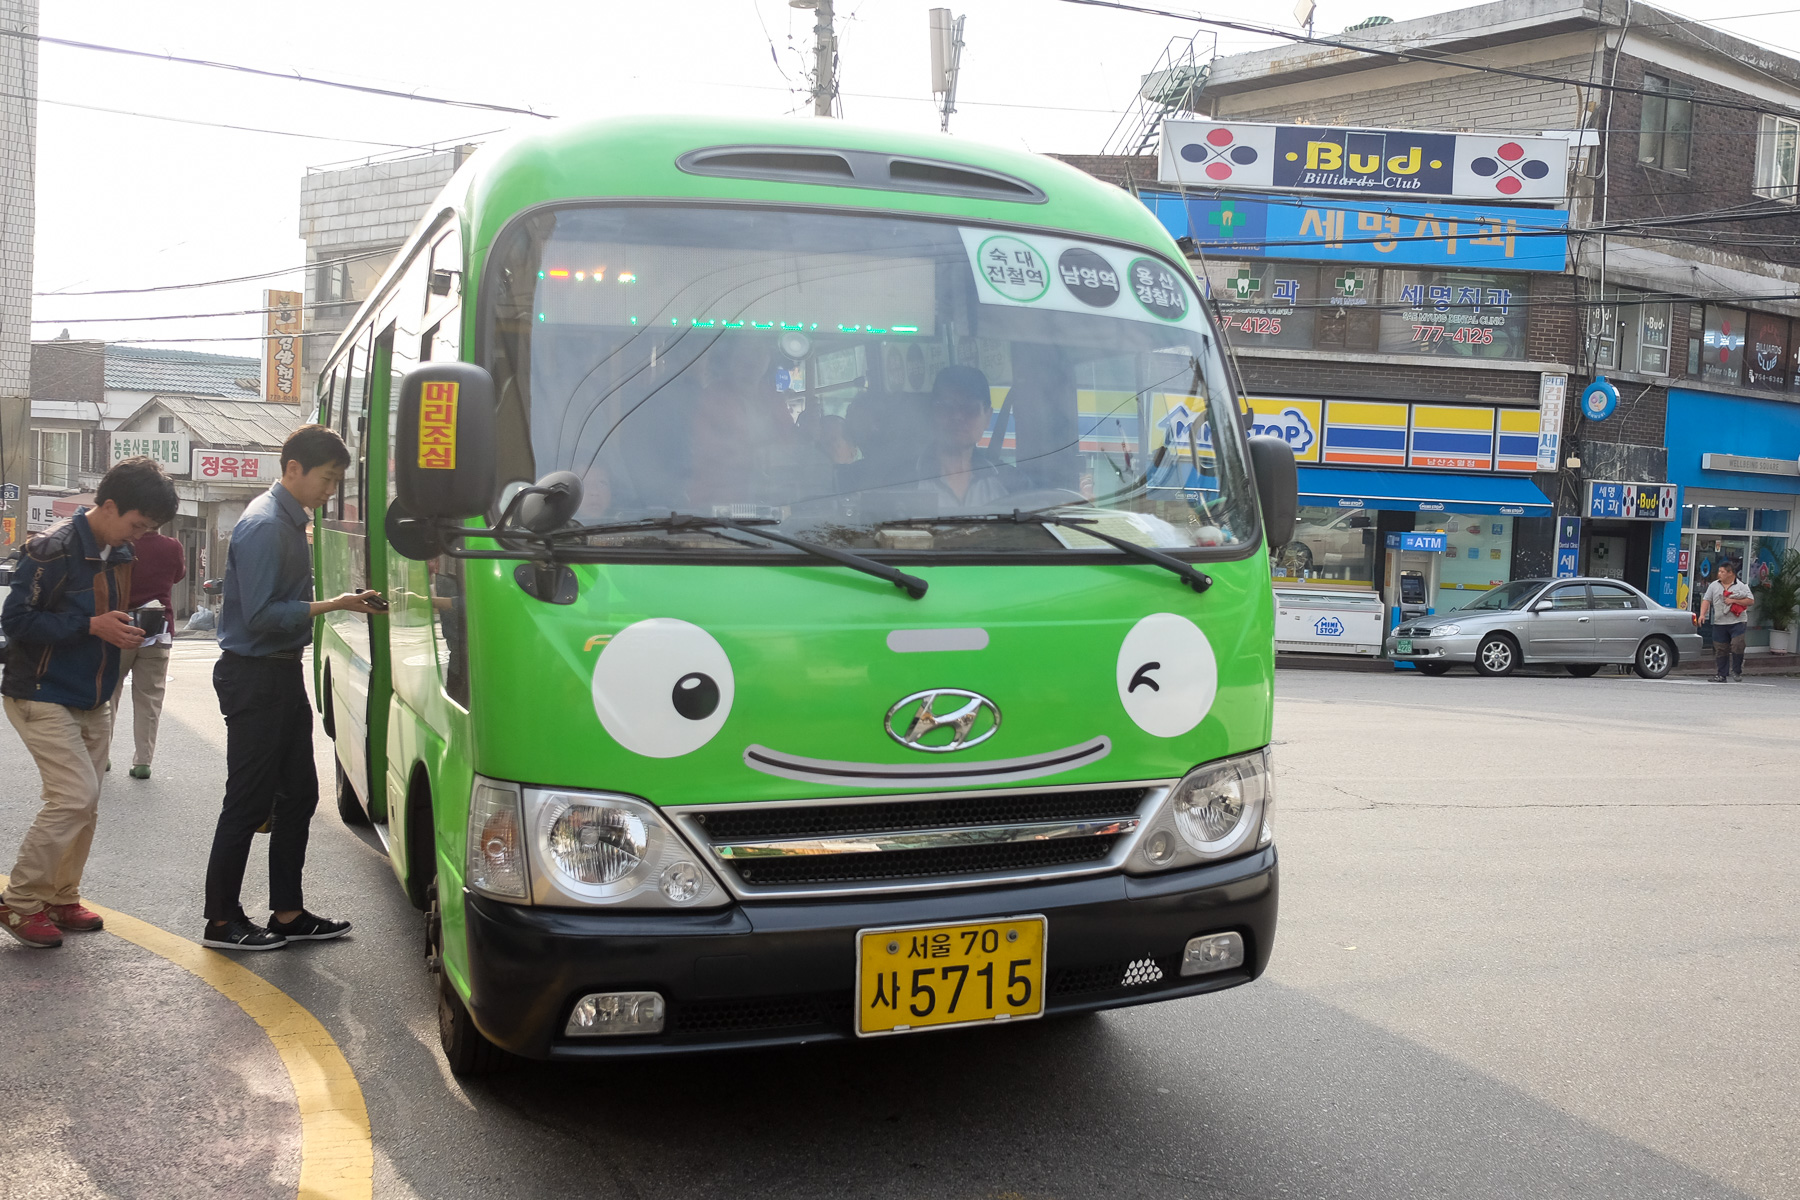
<point x="65" y="616"/>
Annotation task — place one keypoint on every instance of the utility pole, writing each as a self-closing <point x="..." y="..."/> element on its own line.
<point x="824" y="55"/>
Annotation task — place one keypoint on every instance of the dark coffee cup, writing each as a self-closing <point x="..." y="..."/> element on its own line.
<point x="151" y="620"/>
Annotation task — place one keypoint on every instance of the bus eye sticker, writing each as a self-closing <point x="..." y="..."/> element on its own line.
<point x="1167" y="675"/>
<point x="663" y="688"/>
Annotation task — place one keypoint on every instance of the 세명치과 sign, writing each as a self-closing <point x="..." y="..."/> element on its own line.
<point x="1395" y="162"/>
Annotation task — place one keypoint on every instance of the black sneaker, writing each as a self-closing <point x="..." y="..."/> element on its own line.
<point x="309" y="927"/>
<point x="1737" y="677"/>
<point x="1719" y="679"/>
<point x="241" y="933"/>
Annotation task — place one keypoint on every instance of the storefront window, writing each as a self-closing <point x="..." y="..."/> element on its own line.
<point x="1720" y="516"/>
<point x="1477" y="555"/>
<point x="1630" y="335"/>
<point x="1452" y="314"/>
<point x="1722" y="356"/>
<point x="1750" y="537"/>
<point x="1266" y="303"/>
<point x="1765" y="360"/>
<point x="1332" y="547"/>
<point x="1432" y="314"/>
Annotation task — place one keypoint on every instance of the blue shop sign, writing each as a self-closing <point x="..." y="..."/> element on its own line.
<point x="1426" y="543"/>
<point x="1443" y="235"/>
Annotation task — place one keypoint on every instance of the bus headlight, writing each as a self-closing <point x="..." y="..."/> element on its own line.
<point x="1217" y="810"/>
<point x="600" y="848"/>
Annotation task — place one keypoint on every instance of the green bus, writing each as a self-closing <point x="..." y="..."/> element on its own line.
<point x="829" y="594"/>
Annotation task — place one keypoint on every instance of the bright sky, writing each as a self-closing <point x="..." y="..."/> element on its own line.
<point x="128" y="202"/>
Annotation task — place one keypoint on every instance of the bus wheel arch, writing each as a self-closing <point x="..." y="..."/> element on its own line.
<point x="421" y="839"/>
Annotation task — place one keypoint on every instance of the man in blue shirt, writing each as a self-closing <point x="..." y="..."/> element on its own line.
<point x="265" y="624"/>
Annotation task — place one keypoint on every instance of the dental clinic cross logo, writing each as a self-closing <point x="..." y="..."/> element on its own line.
<point x="1219" y="151"/>
<point x="1509" y="168"/>
<point x="1244" y="285"/>
<point x="1225" y="217"/>
<point x="1350" y="284"/>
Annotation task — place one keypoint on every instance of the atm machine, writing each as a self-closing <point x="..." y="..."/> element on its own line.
<point x="1409" y="583"/>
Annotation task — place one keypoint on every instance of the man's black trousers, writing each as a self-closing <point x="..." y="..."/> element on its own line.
<point x="270" y="773"/>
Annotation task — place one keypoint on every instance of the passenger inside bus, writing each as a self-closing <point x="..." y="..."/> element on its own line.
<point x="964" y="477"/>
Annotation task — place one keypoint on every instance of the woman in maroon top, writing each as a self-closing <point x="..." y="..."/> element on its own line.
<point x="158" y="564"/>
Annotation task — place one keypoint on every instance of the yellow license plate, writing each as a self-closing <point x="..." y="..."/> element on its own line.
<point x="916" y="977"/>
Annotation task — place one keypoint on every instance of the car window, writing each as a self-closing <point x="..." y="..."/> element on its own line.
<point x="1612" y="596"/>
<point x="1568" y="599"/>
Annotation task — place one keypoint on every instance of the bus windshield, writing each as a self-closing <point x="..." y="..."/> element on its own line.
<point x="860" y="380"/>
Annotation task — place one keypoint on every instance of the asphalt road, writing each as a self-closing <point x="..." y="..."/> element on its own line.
<point x="1538" y="939"/>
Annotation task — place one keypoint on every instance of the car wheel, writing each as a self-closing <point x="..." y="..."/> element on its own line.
<point x="1433" y="668"/>
<point x="1655" y="658"/>
<point x="1497" y="655"/>
<point x="1296" y="558"/>
<point x="1582" y="670"/>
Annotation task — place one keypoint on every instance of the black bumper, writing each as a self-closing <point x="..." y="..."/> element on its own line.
<point x="782" y="973"/>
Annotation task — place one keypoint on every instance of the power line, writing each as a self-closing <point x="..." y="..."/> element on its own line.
<point x="291" y="77"/>
<point x="126" y="112"/>
<point x="179" y="287"/>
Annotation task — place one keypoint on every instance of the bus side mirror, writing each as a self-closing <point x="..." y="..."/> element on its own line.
<point x="1277" y="487"/>
<point x="444" y="461"/>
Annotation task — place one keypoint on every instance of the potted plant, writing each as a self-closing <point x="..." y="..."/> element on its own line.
<point x="1779" y="597"/>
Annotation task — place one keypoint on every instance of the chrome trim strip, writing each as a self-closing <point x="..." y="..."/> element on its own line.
<point x="685" y="819"/>
<point x="912" y="775"/>
<point x="927" y="839"/>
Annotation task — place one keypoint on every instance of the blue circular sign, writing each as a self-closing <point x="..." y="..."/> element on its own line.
<point x="1598" y="402"/>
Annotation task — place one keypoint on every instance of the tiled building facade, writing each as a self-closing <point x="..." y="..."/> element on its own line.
<point x="18" y="160"/>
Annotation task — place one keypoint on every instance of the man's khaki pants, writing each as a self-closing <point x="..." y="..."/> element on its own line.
<point x="148" y="667"/>
<point x="70" y="746"/>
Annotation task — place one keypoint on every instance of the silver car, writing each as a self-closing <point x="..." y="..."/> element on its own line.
<point x="1581" y="624"/>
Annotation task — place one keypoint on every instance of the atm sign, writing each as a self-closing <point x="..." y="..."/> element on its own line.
<point x="437" y="426"/>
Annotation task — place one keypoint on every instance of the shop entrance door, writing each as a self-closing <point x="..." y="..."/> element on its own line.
<point x="1711" y="549"/>
<point x="1606" y="557"/>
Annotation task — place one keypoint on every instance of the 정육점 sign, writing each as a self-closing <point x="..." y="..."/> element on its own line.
<point x="1391" y="162"/>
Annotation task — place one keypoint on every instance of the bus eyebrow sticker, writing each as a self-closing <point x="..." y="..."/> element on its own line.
<point x="907" y="775"/>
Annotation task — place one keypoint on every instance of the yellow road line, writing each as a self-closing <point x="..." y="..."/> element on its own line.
<point x="337" y="1156"/>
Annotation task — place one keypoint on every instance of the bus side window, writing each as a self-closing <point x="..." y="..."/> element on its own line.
<point x="355" y="428"/>
<point x="343" y="381"/>
<point x="327" y="394"/>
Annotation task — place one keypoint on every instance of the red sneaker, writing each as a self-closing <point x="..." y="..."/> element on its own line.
<point x="73" y="918"/>
<point x="35" y="929"/>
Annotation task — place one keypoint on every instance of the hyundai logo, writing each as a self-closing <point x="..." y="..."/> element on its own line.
<point x="941" y="720"/>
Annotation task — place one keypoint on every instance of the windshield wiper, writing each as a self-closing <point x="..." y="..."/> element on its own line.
<point x="912" y="585"/>
<point x="1198" y="580"/>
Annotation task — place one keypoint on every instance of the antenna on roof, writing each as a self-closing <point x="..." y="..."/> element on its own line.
<point x="1303" y="14"/>
<point x="946" y="59"/>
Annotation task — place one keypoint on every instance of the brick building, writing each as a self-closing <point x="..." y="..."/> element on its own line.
<point x="1680" y="286"/>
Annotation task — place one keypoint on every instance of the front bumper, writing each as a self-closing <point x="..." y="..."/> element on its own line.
<point x="766" y="974"/>
<point x="1457" y="649"/>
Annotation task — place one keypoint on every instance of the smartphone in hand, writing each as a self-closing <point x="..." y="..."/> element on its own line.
<point x="378" y="603"/>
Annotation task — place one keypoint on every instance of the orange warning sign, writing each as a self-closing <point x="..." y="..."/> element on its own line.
<point x="437" y="426"/>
